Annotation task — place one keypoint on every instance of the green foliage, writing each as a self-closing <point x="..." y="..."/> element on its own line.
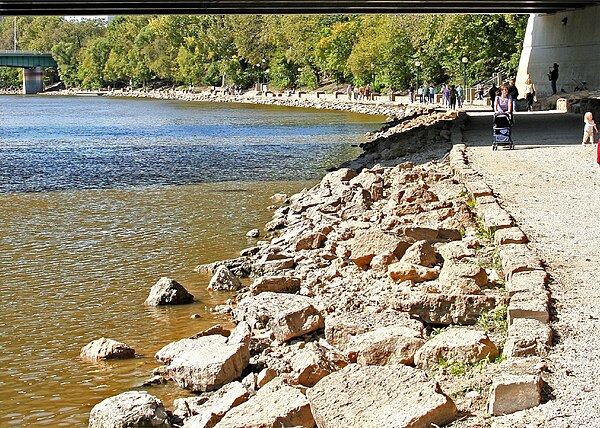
<point x="10" y="77"/>
<point x="494" y="321"/>
<point x="297" y="50"/>
<point x="461" y="368"/>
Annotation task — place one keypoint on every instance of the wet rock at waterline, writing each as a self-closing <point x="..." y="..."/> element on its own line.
<point x="167" y="291"/>
<point x="130" y="409"/>
<point x="106" y="349"/>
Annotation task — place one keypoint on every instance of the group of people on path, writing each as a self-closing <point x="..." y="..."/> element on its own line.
<point x="360" y="93"/>
<point x="452" y="95"/>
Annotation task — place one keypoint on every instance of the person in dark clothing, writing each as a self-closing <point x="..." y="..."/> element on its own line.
<point x="513" y="93"/>
<point x="492" y="93"/>
<point x="553" y="77"/>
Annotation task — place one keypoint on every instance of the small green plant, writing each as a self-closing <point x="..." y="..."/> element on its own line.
<point x="485" y="233"/>
<point x="436" y="330"/>
<point x="495" y="320"/>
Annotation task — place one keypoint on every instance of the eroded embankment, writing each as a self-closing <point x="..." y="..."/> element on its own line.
<point x="379" y="299"/>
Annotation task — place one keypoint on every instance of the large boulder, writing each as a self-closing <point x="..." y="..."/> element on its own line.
<point x="391" y="345"/>
<point x="106" y="349"/>
<point x="286" y="315"/>
<point x="456" y="344"/>
<point x="167" y="291"/>
<point x="367" y="243"/>
<point x="434" y="308"/>
<point x="225" y="280"/>
<point x="274" y="405"/>
<point x="340" y="328"/>
<point x="389" y="396"/>
<point x="132" y="409"/>
<point x="276" y="284"/>
<point x="209" y="362"/>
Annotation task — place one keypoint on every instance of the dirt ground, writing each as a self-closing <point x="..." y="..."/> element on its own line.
<point x="550" y="184"/>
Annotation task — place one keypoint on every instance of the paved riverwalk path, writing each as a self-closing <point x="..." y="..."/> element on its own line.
<point x="550" y="184"/>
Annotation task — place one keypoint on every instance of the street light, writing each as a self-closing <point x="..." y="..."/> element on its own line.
<point x="465" y="60"/>
<point x="417" y="66"/>
<point x="258" y="77"/>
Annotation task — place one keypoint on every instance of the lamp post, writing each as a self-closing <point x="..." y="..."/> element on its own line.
<point x="258" y="77"/>
<point x="465" y="60"/>
<point x="417" y="67"/>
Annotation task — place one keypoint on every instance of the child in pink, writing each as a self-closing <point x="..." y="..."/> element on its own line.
<point x="589" y="128"/>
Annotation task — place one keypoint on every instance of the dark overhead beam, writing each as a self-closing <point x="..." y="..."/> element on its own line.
<point x="152" y="7"/>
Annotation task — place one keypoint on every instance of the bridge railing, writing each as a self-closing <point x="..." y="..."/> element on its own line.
<point x="7" y="52"/>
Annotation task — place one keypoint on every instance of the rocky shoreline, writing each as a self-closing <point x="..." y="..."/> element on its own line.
<point x="396" y="292"/>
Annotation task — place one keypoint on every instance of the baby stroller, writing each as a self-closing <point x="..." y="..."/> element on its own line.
<point x="502" y="134"/>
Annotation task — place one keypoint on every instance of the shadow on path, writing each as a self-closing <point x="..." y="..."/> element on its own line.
<point x="531" y="129"/>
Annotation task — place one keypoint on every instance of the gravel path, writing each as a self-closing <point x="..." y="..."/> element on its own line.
<point x="550" y="184"/>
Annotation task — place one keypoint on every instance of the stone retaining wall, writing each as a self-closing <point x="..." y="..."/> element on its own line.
<point x="529" y="334"/>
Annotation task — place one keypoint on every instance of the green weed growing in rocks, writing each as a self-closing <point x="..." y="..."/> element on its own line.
<point x="494" y="321"/>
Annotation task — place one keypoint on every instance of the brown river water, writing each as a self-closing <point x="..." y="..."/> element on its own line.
<point x="80" y="251"/>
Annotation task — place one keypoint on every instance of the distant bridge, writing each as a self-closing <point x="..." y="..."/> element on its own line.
<point x="32" y="64"/>
<point x="133" y="7"/>
<point x="26" y="59"/>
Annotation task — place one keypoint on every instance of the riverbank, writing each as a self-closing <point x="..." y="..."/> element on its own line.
<point x="391" y="265"/>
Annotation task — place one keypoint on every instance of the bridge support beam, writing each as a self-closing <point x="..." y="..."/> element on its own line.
<point x="569" y="38"/>
<point x="33" y="80"/>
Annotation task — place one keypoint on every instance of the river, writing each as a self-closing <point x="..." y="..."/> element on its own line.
<point x="101" y="197"/>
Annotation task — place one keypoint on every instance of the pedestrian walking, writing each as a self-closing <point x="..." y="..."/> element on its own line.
<point x="529" y="93"/>
<point x="492" y="93"/>
<point x="588" y="128"/>
<point x="349" y="92"/>
<point x="411" y="93"/>
<point x="553" y="77"/>
<point x="513" y="93"/>
<point x="453" y="97"/>
<point x="459" y="95"/>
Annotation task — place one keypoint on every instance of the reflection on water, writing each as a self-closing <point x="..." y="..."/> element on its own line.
<point x="99" y="198"/>
<point x="76" y="266"/>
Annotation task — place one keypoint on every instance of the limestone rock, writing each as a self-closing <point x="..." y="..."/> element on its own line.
<point x="420" y="253"/>
<point x="212" y="363"/>
<point x="434" y="308"/>
<point x="205" y="412"/>
<point x="340" y="328"/>
<point x="310" y="241"/>
<point x="167" y="291"/>
<point x="518" y="258"/>
<point x="368" y="243"/>
<point x="129" y="409"/>
<point x="310" y="364"/>
<point x="529" y="304"/>
<point x="527" y="337"/>
<point x="253" y="233"/>
<point x="275" y="284"/>
<point x="510" y="393"/>
<point x="456" y="344"/>
<point x="455" y="250"/>
<point x="223" y="279"/>
<point x="286" y="315"/>
<point x="462" y="277"/>
<point x="510" y="235"/>
<point x="106" y="349"/>
<point x="388" y="396"/>
<point x="274" y="405"/>
<point x="391" y="345"/>
<point x="528" y="281"/>
<point x="404" y="271"/>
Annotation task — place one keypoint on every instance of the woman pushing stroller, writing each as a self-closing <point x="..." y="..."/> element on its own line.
<point x="503" y="103"/>
<point x="503" y="119"/>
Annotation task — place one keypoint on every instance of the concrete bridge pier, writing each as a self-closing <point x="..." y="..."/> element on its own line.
<point x="570" y="38"/>
<point x="33" y="80"/>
